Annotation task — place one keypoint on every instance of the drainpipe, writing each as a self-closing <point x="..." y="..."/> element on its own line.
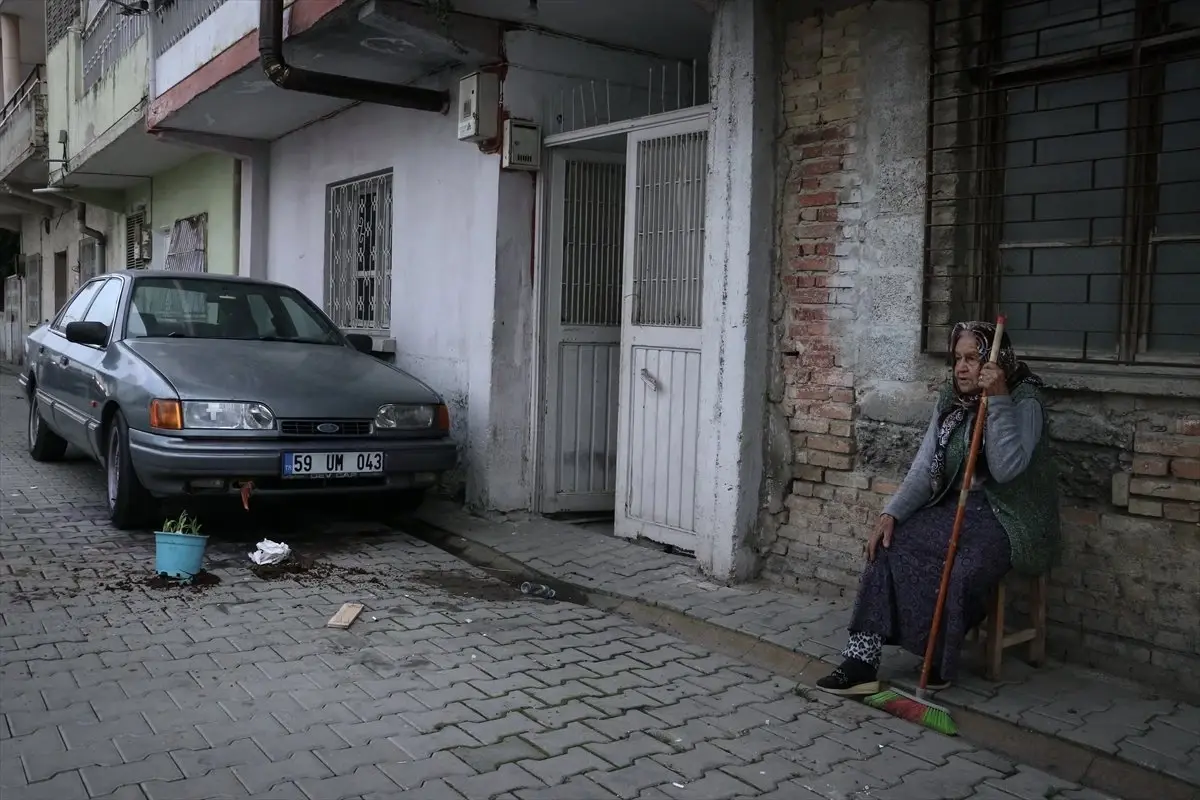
<point x="81" y="223"/>
<point x="297" y="79"/>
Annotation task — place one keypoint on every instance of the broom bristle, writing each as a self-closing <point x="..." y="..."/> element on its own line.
<point x="906" y="707"/>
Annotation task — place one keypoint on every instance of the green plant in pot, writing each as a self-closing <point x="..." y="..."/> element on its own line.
<point x="179" y="548"/>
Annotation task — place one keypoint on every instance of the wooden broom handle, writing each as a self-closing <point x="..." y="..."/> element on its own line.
<point x="959" y="515"/>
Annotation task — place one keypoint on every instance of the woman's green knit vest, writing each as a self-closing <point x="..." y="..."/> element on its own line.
<point x="1026" y="506"/>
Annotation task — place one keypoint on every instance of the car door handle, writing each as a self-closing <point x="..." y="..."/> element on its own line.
<point x="41" y="349"/>
<point x="64" y="360"/>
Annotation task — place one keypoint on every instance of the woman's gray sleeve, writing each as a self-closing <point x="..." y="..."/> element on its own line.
<point x="916" y="489"/>
<point x="1013" y="431"/>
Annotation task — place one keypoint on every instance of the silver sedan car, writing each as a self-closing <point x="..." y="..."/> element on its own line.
<point x="191" y="385"/>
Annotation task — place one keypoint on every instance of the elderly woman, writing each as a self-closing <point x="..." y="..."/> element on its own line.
<point x="1011" y="518"/>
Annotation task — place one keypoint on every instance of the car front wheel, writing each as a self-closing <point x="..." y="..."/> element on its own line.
<point x="130" y="506"/>
<point x="44" y="444"/>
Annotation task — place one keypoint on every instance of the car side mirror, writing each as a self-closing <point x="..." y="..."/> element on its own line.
<point x="93" y="333"/>
<point x="360" y="342"/>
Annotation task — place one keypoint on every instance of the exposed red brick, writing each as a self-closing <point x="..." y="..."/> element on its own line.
<point x="1181" y="512"/>
<point x="1189" y="426"/>
<point x="1165" y="445"/>
<point x="1186" y="468"/>
<point x="818" y="199"/>
<point x="831" y="460"/>
<point x="831" y="444"/>
<point x="1150" y="465"/>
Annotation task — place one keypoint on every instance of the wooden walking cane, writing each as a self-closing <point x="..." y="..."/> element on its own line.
<point x="916" y="708"/>
<point x="959" y="515"/>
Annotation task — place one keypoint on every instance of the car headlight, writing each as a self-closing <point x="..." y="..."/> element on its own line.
<point x="227" y="416"/>
<point x="394" y="416"/>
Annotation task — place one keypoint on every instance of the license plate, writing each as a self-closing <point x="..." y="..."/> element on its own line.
<point x="331" y="465"/>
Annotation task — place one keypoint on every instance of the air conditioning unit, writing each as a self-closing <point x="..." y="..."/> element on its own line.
<point x="478" y="107"/>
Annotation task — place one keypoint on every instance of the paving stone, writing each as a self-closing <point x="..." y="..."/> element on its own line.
<point x="260" y="777"/>
<point x="104" y="780"/>
<point x="416" y="774"/>
<point x="240" y="691"/>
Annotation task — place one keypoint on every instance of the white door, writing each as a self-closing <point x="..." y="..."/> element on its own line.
<point x="660" y="343"/>
<point x="583" y="330"/>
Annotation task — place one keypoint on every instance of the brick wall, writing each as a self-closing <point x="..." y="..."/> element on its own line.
<point x="1127" y="597"/>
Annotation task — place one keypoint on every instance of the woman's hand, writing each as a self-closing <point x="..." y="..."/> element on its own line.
<point x="881" y="534"/>
<point x="992" y="380"/>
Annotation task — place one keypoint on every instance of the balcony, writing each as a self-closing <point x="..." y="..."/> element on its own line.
<point x="23" y="133"/>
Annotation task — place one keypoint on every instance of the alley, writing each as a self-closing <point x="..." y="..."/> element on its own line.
<point x="450" y="684"/>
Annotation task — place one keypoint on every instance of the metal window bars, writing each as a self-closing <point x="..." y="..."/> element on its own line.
<point x="174" y="19"/>
<point x="668" y="258"/>
<point x="32" y="273"/>
<point x="106" y="40"/>
<point x="593" y="243"/>
<point x="1064" y="178"/>
<point x="189" y="240"/>
<point x="359" y="252"/>
<point x="600" y="102"/>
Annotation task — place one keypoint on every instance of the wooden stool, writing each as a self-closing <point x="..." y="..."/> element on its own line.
<point x="994" y="638"/>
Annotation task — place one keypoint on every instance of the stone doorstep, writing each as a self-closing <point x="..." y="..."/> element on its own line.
<point x="1028" y="719"/>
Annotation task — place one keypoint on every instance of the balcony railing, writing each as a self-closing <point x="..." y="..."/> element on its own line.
<point x="107" y="39"/>
<point x="23" y="123"/>
<point x="173" y="19"/>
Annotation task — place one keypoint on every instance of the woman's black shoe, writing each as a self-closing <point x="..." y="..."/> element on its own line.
<point x="853" y="678"/>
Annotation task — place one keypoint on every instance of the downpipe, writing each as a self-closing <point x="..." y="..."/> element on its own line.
<point x="82" y="226"/>
<point x="298" y="79"/>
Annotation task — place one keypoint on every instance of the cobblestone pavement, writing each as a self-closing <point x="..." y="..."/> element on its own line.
<point x="450" y="685"/>
<point x="1120" y="718"/>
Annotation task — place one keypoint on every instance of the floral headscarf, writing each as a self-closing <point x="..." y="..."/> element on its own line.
<point x="1017" y="372"/>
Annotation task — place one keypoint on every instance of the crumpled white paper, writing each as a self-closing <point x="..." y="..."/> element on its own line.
<point x="269" y="552"/>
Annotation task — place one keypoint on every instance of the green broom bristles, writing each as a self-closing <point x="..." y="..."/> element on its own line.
<point x="905" y="706"/>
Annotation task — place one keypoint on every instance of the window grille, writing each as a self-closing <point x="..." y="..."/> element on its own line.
<point x="33" y="289"/>
<point x="358" y="259"/>
<point x="1064" y="184"/>
<point x="186" y="251"/>
<point x="107" y="38"/>
<point x="593" y="243"/>
<point x="135" y="222"/>
<point x="668" y="257"/>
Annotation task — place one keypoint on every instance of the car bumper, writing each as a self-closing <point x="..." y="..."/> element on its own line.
<point x="170" y="466"/>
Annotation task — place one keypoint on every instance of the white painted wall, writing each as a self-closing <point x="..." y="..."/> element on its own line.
<point x="462" y="250"/>
<point x="215" y="34"/>
<point x="443" y="245"/>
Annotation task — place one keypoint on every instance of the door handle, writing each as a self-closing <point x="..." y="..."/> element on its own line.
<point x="650" y="380"/>
<point x="41" y="349"/>
<point x="64" y="360"/>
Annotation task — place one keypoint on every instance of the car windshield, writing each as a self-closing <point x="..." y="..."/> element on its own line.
<point x="216" y="309"/>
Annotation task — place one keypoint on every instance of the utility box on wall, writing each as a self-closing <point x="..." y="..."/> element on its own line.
<point x="478" y="107"/>
<point x="522" y="145"/>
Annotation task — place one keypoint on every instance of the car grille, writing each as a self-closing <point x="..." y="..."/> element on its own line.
<point x="312" y="427"/>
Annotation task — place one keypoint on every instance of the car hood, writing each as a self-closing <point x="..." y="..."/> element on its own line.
<point x="294" y="380"/>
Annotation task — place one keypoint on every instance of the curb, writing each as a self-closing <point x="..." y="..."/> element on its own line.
<point x="1070" y="761"/>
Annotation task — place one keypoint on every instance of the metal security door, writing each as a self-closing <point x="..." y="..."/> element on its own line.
<point x="661" y="335"/>
<point x="583" y="330"/>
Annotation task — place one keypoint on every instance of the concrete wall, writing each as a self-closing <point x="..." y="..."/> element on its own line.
<point x="95" y="118"/>
<point x="62" y="233"/>
<point x="443" y="238"/>
<point x="216" y="33"/>
<point x="208" y="184"/>
<point x="855" y="390"/>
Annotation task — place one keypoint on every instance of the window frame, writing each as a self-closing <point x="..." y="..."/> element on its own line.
<point x="1145" y="57"/>
<point x="339" y="231"/>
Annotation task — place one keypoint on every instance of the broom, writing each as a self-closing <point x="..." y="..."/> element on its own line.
<point x="915" y="708"/>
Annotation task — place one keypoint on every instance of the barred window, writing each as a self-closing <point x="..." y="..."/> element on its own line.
<point x="358" y="257"/>
<point x="1064" y="184"/>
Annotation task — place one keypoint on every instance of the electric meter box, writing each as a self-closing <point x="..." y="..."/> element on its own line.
<point x="522" y="145"/>
<point x="478" y="107"/>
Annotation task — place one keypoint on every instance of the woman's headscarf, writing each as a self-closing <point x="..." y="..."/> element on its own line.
<point x="1017" y="372"/>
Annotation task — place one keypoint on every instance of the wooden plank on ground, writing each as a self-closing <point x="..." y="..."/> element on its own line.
<point x="345" y="616"/>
